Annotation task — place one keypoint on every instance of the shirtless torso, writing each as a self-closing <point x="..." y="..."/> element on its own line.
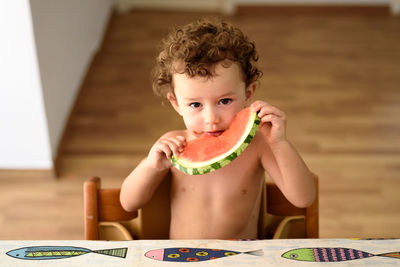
<point x="221" y="204"/>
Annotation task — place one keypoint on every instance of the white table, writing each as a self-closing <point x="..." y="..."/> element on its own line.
<point x="293" y="252"/>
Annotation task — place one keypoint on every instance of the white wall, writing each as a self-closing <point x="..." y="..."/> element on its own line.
<point x="67" y="33"/>
<point x="45" y="49"/>
<point x="23" y="124"/>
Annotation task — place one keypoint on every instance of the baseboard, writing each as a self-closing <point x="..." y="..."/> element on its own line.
<point x="317" y="10"/>
<point x="220" y="6"/>
<point x="17" y="174"/>
<point x="231" y="7"/>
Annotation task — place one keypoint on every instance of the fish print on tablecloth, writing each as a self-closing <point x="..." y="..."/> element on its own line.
<point x="194" y="254"/>
<point x="332" y="254"/>
<point x="61" y="252"/>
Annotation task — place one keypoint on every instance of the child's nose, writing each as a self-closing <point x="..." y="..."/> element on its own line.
<point x="211" y="116"/>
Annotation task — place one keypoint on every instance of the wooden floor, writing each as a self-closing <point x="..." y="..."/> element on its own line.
<point x="337" y="76"/>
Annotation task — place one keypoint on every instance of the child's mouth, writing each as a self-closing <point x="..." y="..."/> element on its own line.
<point x="214" y="133"/>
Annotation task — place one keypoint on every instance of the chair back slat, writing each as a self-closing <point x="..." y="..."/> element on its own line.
<point x="101" y="205"/>
<point x="277" y="204"/>
<point x="312" y="214"/>
<point x="90" y="189"/>
<point x="110" y="208"/>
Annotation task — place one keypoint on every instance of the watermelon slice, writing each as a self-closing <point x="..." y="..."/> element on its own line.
<point x="209" y="153"/>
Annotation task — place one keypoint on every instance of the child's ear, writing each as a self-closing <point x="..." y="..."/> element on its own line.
<point x="250" y="91"/>
<point x="174" y="102"/>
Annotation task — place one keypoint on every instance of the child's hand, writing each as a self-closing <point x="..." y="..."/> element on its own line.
<point x="162" y="151"/>
<point x="273" y="122"/>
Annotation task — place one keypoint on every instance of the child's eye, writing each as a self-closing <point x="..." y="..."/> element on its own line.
<point x="195" y="105"/>
<point x="225" y="101"/>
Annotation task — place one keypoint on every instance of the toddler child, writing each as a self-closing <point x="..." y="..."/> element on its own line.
<point x="207" y="71"/>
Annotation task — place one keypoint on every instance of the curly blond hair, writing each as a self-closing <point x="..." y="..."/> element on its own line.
<point x="194" y="50"/>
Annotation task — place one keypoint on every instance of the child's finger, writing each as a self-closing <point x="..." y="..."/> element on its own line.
<point x="273" y="118"/>
<point x="263" y="108"/>
<point x="172" y="146"/>
<point x="180" y="141"/>
<point x="271" y="110"/>
<point x="163" y="147"/>
<point x="178" y="144"/>
<point x="275" y="122"/>
<point x="181" y="138"/>
<point x="257" y="105"/>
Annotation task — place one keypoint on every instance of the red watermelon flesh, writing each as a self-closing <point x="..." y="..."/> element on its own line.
<point x="208" y="147"/>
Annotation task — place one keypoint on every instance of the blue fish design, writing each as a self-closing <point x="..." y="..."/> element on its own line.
<point x="194" y="254"/>
<point x="60" y="252"/>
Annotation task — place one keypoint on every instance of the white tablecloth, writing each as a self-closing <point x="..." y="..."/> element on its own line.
<point x="133" y="253"/>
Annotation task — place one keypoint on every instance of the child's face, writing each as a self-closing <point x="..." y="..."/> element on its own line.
<point x="209" y="105"/>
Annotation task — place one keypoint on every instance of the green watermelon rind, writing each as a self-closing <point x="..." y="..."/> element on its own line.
<point x="212" y="165"/>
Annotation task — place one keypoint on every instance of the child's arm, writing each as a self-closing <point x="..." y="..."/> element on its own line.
<point x="281" y="160"/>
<point x="140" y="185"/>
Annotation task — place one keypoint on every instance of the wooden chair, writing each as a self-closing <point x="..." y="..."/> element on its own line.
<point x="105" y="219"/>
<point x="281" y="219"/>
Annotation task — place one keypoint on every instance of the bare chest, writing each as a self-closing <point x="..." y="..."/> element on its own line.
<point x="237" y="181"/>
